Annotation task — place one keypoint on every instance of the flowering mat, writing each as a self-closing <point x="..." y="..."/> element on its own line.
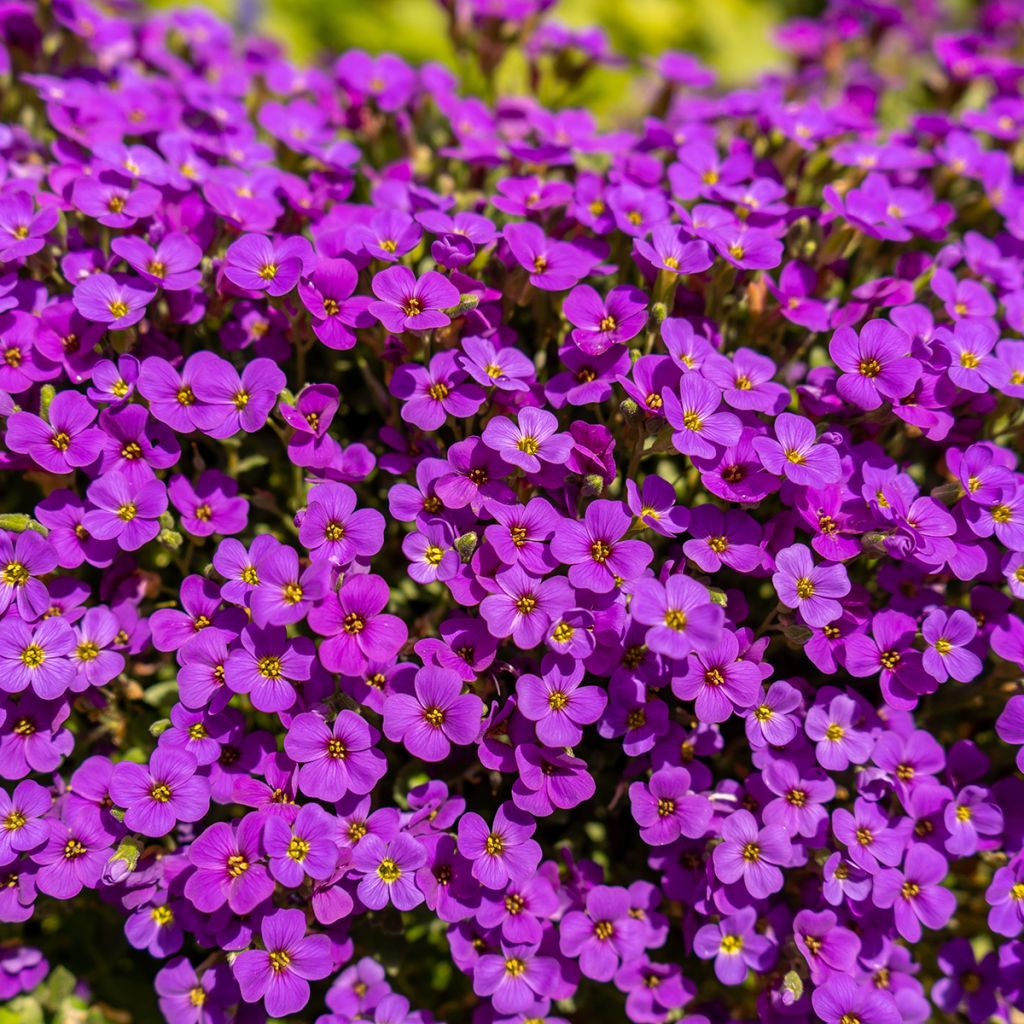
<point x="460" y="562"/>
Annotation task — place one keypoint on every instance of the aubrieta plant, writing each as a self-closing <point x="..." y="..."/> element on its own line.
<point x="465" y="560"/>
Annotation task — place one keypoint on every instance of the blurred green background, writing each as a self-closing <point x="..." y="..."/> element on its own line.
<point x="733" y="36"/>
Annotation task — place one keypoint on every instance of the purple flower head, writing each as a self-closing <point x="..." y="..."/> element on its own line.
<point x="752" y="855"/>
<point x="407" y="303"/>
<point x="335" y="759"/>
<point x="530" y="442"/>
<point x="280" y="973"/>
<point x="161" y="794"/>
<point x="813" y="590"/>
<point x="118" y="301"/>
<point x="434" y="716"/>
<point x="255" y="263"/>
<point x="601" y="323"/>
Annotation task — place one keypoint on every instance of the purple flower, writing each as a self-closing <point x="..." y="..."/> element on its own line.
<point x="838" y="741"/>
<point x="62" y="443"/>
<point x="23" y="824"/>
<point x="876" y="364"/>
<point x="209" y="506"/>
<point x="665" y="807"/>
<point x="23" y="557"/>
<point x="433" y="717"/>
<point x="236" y="402"/>
<point x="335" y="759"/>
<point x="752" y="855"/>
<point x="303" y="847"/>
<point x="431" y="394"/>
<point x="336" y="312"/>
<point x="514" y="979"/>
<point x="813" y="590"/>
<point x="558" y="704"/>
<point x="388" y="871"/>
<point x="598" y="556"/>
<point x="280" y="973"/>
<point x="156" y="797"/>
<point x="947" y="655"/>
<point x="602" y="935"/>
<point x="795" y="454"/>
<point x="501" y="852"/>
<point x="73" y="858"/>
<point x="116" y="300"/>
<point x="915" y="893"/>
<point x="524" y="607"/>
<point x="735" y="946"/>
<point x="717" y="679"/>
<point x="679" y="614"/>
<point x="228" y="868"/>
<point x="530" y="442"/>
<point x="36" y="655"/>
<point x="841" y="998"/>
<point x="699" y="429"/>
<point x="358" y="631"/>
<point x="259" y="264"/>
<point x="600" y="323"/>
<point x="125" y="513"/>
<point x="269" y="667"/>
<point x="170" y="265"/>
<point x="407" y="303"/>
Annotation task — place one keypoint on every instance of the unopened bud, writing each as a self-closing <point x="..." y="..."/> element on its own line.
<point x="47" y="393"/>
<point x="796" y="635"/>
<point x="466" y="303"/>
<point x="170" y="539"/>
<point x="123" y="861"/>
<point x="593" y="485"/>
<point x="466" y="545"/>
<point x="659" y="311"/>
<point x="630" y="409"/>
<point x="718" y="597"/>
<point x="18" y="522"/>
<point x="160" y="726"/>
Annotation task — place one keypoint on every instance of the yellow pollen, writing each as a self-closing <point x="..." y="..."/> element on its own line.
<point x="336" y="750"/>
<point x="600" y="551"/>
<point x="185" y="396"/>
<point x="439" y="391"/>
<point x="910" y="890"/>
<point x="528" y="445"/>
<point x="692" y="421"/>
<point x="33" y="656"/>
<point x="298" y="849"/>
<point x="61" y="441"/>
<point x="604" y="930"/>
<point x="969" y="361"/>
<point x="388" y="871"/>
<point x="279" y="960"/>
<point x="161" y="793"/>
<point x="291" y="593"/>
<point x="269" y="667"/>
<point x="162" y="916"/>
<point x="526" y="604"/>
<point x="731" y="944"/>
<point x="433" y="555"/>
<point x="237" y="865"/>
<point x="751" y="852"/>
<point x="117" y="308"/>
<point x="14" y="820"/>
<point x="494" y="845"/>
<point x="804" y="588"/>
<point x="563" y="632"/>
<point x="666" y="808"/>
<point x="515" y="967"/>
<point x="835" y="732"/>
<point x="434" y="717"/>
<point x="268" y="271"/>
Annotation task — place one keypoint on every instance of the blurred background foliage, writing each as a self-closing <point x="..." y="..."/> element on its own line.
<point x="735" y="37"/>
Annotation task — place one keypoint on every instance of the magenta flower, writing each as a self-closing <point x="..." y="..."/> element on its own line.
<point x="125" y="513"/>
<point x="334" y="529"/>
<point x="530" y="442"/>
<point x="336" y="759"/>
<point x="699" y="429"/>
<point x="328" y="295"/>
<point x="118" y="301"/>
<point x="679" y="615"/>
<point x="23" y="824"/>
<point x="236" y="401"/>
<point x="839" y="741"/>
<point x="356" y="626"/>
<point x="718" y="680"/>
<point x="752" y="855"/>
<point x="280" y="973"/>
<point x="914" y="893"/>
<point x="813" y="590"/>
<point x="303" y="847"/>
<point x="876" y="364"/>
<point x="388" y="871"/>
<point x="407" y="303"/>
<point x="62" y="443"/>
<point x="228" y="867"/>
<point x="431" y="394"/>
<point x="601" y="323"/>
<point x="598" y="556"/>
<point x="795" y="454"/>
<point x="259" y="264"/>
<point x="36" y="655"/>
<point x="665" y="807"/>
<point x="524" y="607"/>
<point x="436" y="715"/>
<point x="159" y="795"/>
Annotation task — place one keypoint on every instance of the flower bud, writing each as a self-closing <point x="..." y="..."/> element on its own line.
<point x="466" y="545"/>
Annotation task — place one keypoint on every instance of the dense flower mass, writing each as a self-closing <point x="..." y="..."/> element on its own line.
<point x="462" y="561"/>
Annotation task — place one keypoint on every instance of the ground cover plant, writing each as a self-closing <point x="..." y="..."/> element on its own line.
<point x="464" y="560"/>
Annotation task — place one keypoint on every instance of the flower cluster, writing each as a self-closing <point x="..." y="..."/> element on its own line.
<point x="594" y="553"/>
